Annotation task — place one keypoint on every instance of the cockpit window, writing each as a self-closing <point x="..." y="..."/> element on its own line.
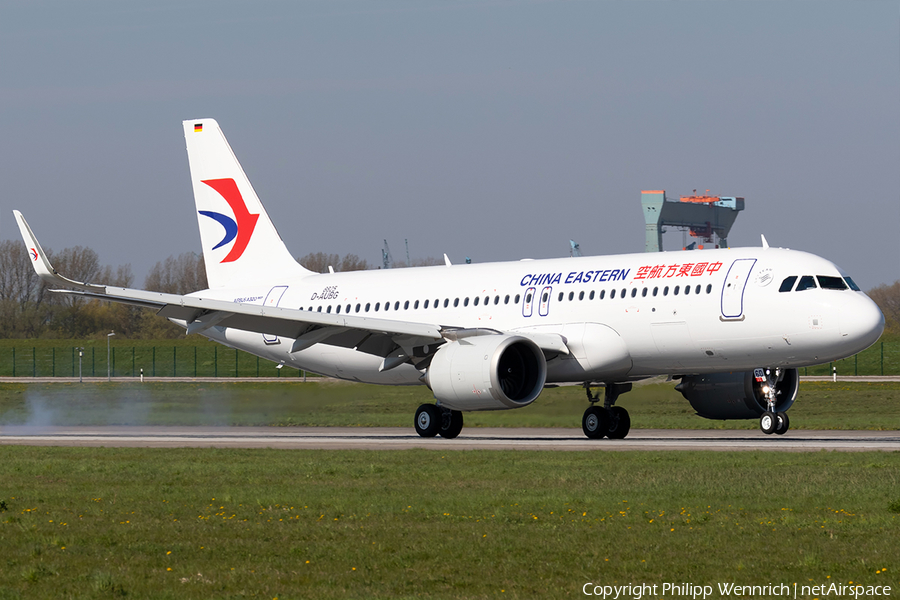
<point x="831" y="283"/>
<point x="788" y="283"/>
<point x="852" y="284"/>
<point x="807" y="282"/>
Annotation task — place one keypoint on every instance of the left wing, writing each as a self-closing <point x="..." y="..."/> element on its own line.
<point x="395" y="341"/>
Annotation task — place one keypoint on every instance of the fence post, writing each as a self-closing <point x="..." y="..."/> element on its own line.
<point x="73" y="361"/>
<point x="154" y="361"/>
<point x="174" y="367"/>
<point x="257" y="366"/>
<point x="132" y="361"/>
<point x="93" y="364"/>
<point x="882" y="358"/>
<point x="53" y="361"/>
<point x="216" y="361"/>
<point x="235" y="363"/>
<point x="114" y="362"/>
<point x="856" y="364"/>
<point x="14" y="361"/>
<point x="33" y="362"/>
<point x="195" y="361"/>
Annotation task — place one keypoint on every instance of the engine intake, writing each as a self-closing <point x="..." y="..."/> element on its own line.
<point x="487" y="372"/>
<point x="736" y="395"/>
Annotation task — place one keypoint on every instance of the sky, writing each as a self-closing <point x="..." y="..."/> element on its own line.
<point x="491" y="130"/>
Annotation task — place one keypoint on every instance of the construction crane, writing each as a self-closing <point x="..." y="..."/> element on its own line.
<point x="386" y="260"/>
<point x="574" y="248"/>
<point x="708" y="218"/>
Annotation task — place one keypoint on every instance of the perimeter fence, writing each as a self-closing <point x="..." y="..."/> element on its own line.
<point x="134" y="361"/>
<point x="214" y="360"/>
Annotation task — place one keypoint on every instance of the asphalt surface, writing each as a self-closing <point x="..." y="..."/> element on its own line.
<point x="390" y="438"/>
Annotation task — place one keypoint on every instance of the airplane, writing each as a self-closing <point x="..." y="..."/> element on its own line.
<point x="731" y="326"/>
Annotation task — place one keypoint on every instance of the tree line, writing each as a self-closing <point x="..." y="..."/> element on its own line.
<point x="29" y="309"/>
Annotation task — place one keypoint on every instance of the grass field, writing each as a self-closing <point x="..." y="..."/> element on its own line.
<point x="330" y="403"/>
<point x="207" y="523"/>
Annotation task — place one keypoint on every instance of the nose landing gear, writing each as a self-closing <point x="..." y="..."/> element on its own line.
<point x="771" y="421"/>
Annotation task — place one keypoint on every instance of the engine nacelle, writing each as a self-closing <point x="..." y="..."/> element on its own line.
<point x="736" y="395"/>
<point x="487" y="372"/>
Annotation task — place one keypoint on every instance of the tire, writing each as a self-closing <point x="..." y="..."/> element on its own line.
<point x="619" y="423"/>
<point x="595" y="422"/>
<point x="783" y="423"/>
<point x="451" y="424"/>
<point x="428" y="420"/>
<point x="768" y="422"/>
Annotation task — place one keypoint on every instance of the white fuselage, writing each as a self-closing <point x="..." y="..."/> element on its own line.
<point x="623" y="317"/>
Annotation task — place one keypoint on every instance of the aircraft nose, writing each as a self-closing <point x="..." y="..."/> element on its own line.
<point x="861" y="322"/>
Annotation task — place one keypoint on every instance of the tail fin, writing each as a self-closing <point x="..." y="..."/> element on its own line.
<point x="240" y="243"/>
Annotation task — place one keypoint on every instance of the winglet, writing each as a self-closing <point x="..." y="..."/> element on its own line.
<point x="447" y="260"/>
<point x="42" y="264"/>
<point x="765" y="244"/>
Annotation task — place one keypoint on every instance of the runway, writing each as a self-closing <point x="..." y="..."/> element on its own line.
<point x="389" y="438"/>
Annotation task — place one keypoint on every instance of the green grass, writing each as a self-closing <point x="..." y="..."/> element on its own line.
<point x="207" y="523"/>
<point x="822" y="405"/>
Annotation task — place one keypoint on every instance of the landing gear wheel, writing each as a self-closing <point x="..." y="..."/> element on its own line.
<point x="782" y="423"/>
<point x="619" y="423"/>
<point x="595" y="422"/>
<point x="428" y="420"/>
<point x="768" y="422"/>
<point x="451" y="424"/>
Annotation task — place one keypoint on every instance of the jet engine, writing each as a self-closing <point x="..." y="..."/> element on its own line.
<point x="736" y="395"/>
<point x="487" y="372"/>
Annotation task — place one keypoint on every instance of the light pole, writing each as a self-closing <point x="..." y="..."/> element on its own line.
<point x="108" y="372"/>
<point x="80" y="354"/>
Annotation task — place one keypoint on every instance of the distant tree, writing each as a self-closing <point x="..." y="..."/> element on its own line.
<point x="21" y="293"/>
<point x="887" y="297"/>
<point x="418" y="262"/>
<point x="319" y="262"/>
<point x="180" y="274"/>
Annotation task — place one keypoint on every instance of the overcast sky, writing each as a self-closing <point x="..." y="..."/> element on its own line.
<point x="494" y="130"/>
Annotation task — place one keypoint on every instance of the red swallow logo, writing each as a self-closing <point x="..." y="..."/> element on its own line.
<point x="244" y="221"/>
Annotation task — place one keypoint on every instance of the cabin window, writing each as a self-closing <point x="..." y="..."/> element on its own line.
<point x="666" y="291"/>
<point x="406" y="305"/>
<point x="633" y="292"/>
<point x="387" y="306"/>
<point x="687" y="289"/>
<point x="358" y="306"/>
<point x="424" y="305"/>
<point x="581" y="295"/>
<point x="466" y="301"/>
<point x="506" y="300"/>
<point x="697" y="289"/>
<point x="348" y="308"/>
<point x="455" y="302"/>
<point x="337" y="309"/>
<point x="517" y="298"/>
<point x="527" y="298"/>
<point x="329" y="309"/>
<point x="545" y="297"/>
<point x="447" y="302"/>
<point x="397" y="305"/>
<point x="612" y="294"/>
<point x="310" y="309"/>
<point x="476" y="300"/>
<point x="852" y="284"/>
<point x="416" y="305"/>
<point x="497" y="300"/>
<point x="655" y="291"/>
<point x="623" y="292"/>
<point x="591" y="297"/>
<point x="827" y="282"/>
<point x="709" y="288"/>
<point x="319" y="309"/>
<point x="788" y="283"/>
<point x="806" y="282"/>
<point x="602" y="294"/>
<point x="675" y="291"/>
<point x="560" y="296"/>
<point x="571" y="296"/>
<point x="487" y="300"/>
<point x="377" y="306"/>
<point x="644" y="293"/>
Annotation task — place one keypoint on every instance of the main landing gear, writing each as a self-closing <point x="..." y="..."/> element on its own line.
<point x="771" y="421"/>
<point x="432" y="420"/>
<point x="609" y="420"/>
